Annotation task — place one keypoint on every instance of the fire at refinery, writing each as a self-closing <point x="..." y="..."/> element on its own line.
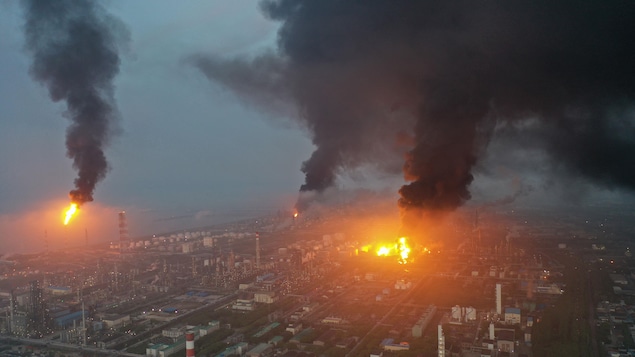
<point x="400" y="249"/>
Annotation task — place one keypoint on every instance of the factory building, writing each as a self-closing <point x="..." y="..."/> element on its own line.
<point x="115" y="321"/>
<point x="265" y="297"/>
<point x="388" y="344"/>
<point x="165" y="349"/>
<point x="512" y="315"/>
<point x="244" y="305"/>
<point x="260" y="350"/>
<point x="505" y="340"/>
<point x="424" y="320"/>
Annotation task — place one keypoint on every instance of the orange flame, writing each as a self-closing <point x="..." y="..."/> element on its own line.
<point x="70" y="212"/>
<point x="404" y="250"/>
<point x="400" y="248"/>
<point x="295" y="215"/>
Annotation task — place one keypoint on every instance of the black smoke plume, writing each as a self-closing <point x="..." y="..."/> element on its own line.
<point x="450" y="72"/>
<point x="75" y="45"/>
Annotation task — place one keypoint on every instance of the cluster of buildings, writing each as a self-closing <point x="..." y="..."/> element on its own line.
<point x="175" y="339"/>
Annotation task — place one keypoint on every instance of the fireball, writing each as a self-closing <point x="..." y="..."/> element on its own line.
<point x="70" y="212"/>
<point x="399" y="248"/>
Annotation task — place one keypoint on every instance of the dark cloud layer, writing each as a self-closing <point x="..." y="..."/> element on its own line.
<point x="375" y="79"/>
<point x="75" y="45"/>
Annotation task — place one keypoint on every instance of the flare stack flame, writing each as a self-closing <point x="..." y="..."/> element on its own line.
<point x="70" y="213"/>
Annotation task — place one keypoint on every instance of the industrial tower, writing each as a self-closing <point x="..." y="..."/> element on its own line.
<point x="257" y="250"/>
<point x="124" y="240"/>
<point x="440" y="342"/>
<point x="499" y="299"/>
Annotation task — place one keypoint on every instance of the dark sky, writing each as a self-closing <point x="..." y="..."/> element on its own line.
<point x="225" y="106"/>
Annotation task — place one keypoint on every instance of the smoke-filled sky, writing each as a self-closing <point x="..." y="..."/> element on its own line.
<point x="227" y="108"/>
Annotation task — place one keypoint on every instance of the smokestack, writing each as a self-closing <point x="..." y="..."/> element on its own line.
<point x="74" y="47"/>
<point x="436" y="81"/>
<point x="189" y="345"/>
<point x="499" y="299"/>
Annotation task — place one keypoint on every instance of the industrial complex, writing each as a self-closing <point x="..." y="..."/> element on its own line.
<point x="308" y="286"/>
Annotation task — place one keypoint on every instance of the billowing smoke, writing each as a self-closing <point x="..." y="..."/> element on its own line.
<point x="74" y="45"/>
<point x="450" y="74"/>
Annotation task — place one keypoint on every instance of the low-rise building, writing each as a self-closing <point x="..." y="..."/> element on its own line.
<point x="261" y="350"/>
<point x="512" y="315"/>
<point x="294" y="327"/>
<point x="265" y="297"/>
<point x="388" y="344"/>
<point x="116" y="321"/>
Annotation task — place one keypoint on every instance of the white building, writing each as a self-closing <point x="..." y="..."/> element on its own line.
<point x="114" y="321"/>
<point x="265" y="297"/>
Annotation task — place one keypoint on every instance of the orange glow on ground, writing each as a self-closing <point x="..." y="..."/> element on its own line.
<point x="70" y="212"/>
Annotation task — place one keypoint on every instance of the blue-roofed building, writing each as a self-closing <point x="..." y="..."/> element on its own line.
<point x="170" y="310"/>
<point x="388" y="344"/>
<point x="512" y="315"/>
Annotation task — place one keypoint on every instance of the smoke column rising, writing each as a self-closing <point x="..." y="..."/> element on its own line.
<point x="74" y="47"/>
<point x="449" y="73"/>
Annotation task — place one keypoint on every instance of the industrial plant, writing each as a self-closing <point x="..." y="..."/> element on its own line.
<point x="309" y="286"/>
